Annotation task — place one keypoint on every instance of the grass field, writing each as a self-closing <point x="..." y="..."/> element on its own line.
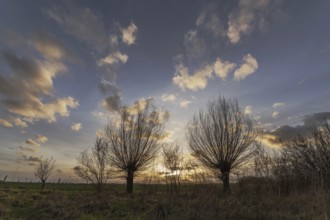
<point x="192" y="201"/>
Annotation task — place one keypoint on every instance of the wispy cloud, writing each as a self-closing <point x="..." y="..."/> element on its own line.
<point x="6" y="123"/>
<point x="32" y="142"/>
<point x="250" y="15"/>
<point x="194" y="45"/>
<point x="81" y="23"/>
<point x="209" y="21"/>
<point x="32" y="80"/>
<point x="50" y="47"/>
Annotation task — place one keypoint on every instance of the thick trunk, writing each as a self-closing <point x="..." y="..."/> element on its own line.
<point x="129" y="181"/>
<point x="43" y="184"/>
<point x="225" y="181"/>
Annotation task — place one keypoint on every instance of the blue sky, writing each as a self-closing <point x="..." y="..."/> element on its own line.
<point x="66" y="66"/>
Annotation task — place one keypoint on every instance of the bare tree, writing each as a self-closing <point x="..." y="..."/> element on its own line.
<point x="93" y="167"/>
<point x="223" y="138"/>
<point x="134" y="139"/>
<point x="43" y="169"/>
<point x="309" y="155"/>
<point x="173" y="162"/>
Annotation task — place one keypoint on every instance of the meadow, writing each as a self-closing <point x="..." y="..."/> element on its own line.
<point x="249" y="199"/>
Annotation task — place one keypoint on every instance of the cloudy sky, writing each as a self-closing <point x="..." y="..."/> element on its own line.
<point x="66" y="66"/>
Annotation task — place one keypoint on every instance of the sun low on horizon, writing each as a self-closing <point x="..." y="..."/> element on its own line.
<point x="66" y="67"/>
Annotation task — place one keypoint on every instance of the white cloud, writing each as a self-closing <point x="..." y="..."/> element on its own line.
<point x="249" y="66"/>
<point x="42" y="139"/>
<point x="197" y="80"/>
<point x="278" y="104"/>
<point x="114" y="58"/>
<point x="275" y="114"/>
<point x="248" y="109"/>
<point x="5" y="123"/>
<point x="168" y="97"/>
<point x="185" y="103"/>
<point x="222" y="68"/>
<point x="250" y="15"/>
<point x="76" y="127"/>
<point x="129" y="34"/>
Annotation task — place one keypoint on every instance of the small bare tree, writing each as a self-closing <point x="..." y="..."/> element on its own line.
<point x="173" y="162"/>
<point x="93" y="167"/>
<point x="309" y="155"/>
<point x="134" y="140"/>
<point x="223" y="138"/>
<point x="43" y="169"/>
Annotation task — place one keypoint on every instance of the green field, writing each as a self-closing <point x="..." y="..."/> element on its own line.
<point x="191" y="201"/>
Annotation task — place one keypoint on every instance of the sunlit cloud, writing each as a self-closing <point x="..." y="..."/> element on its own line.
<point x="32" y="142"/>
<point x="19" y="123"/>
<point x="278" y="104"/>
<point x="114" y="58"/>
<point x="129" y="34"/>
<point x="185" y="103"/>
<point x="195" y="81"/>
<point x="42" y="139"/>
<point x="6" y="123"/>
<point x="275" y="114"/>
<point x="76" y="127"/>
<point x="168" y="97"/>
<point x="50" y="47"/>
<point x="270" y="140"/>
<point x="23" y="93"/>
<point x="249" y="66"/>
<point x="199" y="79"/>
<point x="222" y="68"/>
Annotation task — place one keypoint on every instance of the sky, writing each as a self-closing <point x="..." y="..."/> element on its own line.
<point x="67" y="66"/>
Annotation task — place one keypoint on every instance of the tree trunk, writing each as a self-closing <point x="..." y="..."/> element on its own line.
<point x="43" y="184"/>
<point x="225" y="181"/>
<point x="129" y="181"/>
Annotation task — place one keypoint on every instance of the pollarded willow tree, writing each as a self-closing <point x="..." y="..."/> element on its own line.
<point x="134" y="139"/>
<point x="223" y="138"/>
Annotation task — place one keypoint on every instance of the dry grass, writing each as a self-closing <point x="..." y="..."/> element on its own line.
<point x="248" y="200"/>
